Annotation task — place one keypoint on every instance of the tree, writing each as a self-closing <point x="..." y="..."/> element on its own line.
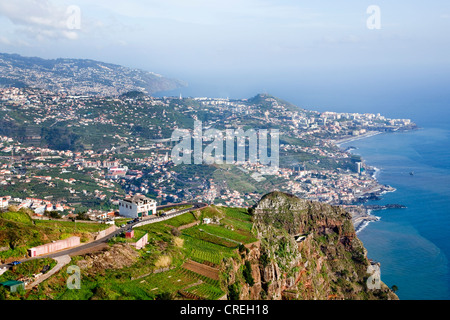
<point x="54" y="215"/>
<point x="82" y="216"/>
<point x="3" y="293"/>
<point x="394" y="288"/>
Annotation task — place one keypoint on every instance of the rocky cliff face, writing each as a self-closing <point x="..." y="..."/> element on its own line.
<point x="307" y="250"/>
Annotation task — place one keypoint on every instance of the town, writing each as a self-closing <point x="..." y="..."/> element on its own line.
<point x="75" y="154"/>
<point x="85" y="173"/>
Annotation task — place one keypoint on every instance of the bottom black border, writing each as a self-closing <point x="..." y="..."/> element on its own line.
<point x="180" y="309"/>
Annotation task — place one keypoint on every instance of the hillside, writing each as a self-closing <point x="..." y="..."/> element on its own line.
<point x="18" y="232"/>
<point x="79" y="76"/>
<point x="240" y="254"/>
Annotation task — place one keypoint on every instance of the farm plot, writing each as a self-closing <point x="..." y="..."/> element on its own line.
<point x="202" y="269"/>
<point x="198" y="233"/>
<point x="171" y="280"/>
<point x="207" y="291"/>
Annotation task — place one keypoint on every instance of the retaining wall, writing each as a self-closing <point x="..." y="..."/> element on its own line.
<point x="54" y="246"/>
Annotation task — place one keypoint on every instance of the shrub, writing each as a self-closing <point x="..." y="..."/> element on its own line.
<point x="175" y="232"/>
<point x="164" y="296"/>
<point x="233" y="291"/>
<point x="264" y="259"/>
<point x="178" y="242"/>
<point x="247" y="273"/>
<point x="163" y="262"/>
<point x="242" y="249"/>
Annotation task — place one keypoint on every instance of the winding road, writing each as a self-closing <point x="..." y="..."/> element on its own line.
<point x="84" y="247"/>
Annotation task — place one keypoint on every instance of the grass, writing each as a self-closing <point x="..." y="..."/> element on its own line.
<point x="19" y="232"/>
<point x="198" y="233"/>
<point x="207" y="291"/>
<point x="16" y="217"/>
<point x="181" y="220"/>
<point x="69" y="226"/>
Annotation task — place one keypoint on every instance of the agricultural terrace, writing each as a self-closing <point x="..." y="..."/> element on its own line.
<point x="166" y="267"/>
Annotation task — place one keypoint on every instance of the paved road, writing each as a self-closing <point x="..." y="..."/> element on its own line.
<point x="73" y="251"/>
<point x="61" y="262"/>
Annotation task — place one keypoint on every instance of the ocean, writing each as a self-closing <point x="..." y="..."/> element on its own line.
<point x="411" y="244"/>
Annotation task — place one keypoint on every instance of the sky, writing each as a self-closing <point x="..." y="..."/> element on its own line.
<point x="328" y="54"/>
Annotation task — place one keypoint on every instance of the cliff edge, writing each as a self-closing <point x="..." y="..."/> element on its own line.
<point x="307" y="250"/>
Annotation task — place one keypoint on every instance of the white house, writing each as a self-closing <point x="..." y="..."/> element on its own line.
<point x="137" y="206"/>
<point x="4" y="202"/>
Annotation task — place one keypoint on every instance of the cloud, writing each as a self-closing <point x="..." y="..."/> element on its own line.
<point x="41" y="19"/>
<point x="209" y="12"/>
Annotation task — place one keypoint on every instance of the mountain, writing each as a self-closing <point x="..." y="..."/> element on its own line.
<point x="267" y="102"/>
<point x="79" y="76"/>
<point x="307" y="250"/>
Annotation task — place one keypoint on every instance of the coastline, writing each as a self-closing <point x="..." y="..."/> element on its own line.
<point x="354" y="138"/>
<point x="362" y="216"/>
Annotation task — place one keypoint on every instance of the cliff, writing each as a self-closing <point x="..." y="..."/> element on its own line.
<point x="307" y="250"/>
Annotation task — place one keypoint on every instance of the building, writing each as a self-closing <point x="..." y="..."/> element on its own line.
<point x="116" y="172"/>
<point x="129" y="234"/>
<point x="358" y="167"/>
<point x="4" y="202"/>
<point x="13" y="286"/>
<point x="137" y="206"/>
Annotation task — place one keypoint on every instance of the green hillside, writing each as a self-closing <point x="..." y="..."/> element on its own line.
<point x="18" y="233"/>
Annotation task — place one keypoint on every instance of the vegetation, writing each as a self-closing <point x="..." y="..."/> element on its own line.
<point x="206" y="261"/>
<point x="19" y="232"/>
<point x="141" y="277"/>
<point x="247" y="273"/>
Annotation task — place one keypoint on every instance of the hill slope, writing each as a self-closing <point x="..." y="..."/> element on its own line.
<point x="79" y="76"/>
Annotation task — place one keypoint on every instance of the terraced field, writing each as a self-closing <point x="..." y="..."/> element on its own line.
<point x="192" y="257"/>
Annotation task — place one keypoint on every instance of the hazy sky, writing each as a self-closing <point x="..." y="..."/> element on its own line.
<point x="310" y="49"/>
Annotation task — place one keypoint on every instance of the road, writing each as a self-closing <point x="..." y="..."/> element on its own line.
<point x="61" y="262"/>
<point x="73" y="251"/>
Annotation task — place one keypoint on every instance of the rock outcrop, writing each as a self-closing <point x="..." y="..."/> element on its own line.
<point x="307" y="250"/>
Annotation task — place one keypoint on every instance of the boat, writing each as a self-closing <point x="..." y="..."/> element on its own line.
<point x="411" y="173"/>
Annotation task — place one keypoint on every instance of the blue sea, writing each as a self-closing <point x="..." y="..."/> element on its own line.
<point x="412" y="244"/>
